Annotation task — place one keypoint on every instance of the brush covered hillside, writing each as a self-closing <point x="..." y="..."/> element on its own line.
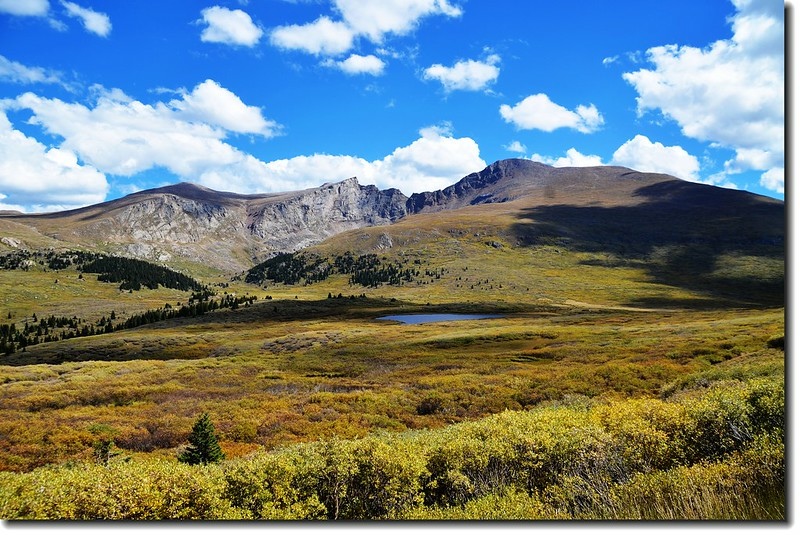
<point x="632" y="368"/>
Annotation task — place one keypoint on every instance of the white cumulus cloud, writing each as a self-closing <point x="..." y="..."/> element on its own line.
<point x="211" y="103"/>
<point x="468" y="75"/>
<point x="730" y="93"/>
<point x="36" y="178"/>
<point x="647" y="156"/>
<point x="516" y="146"/>
<point x="15" y="72"/>
<point x="375" y="19"/>
<point x="93" y="21"/>
<point x="434" y="161"/>
<point x="640" y="154"/>
<point x="122" y="136"/>
<point x="229" y="26"/>
<point x="127" y="137"/>
<point x="357" y="64"/>
<point x="540" y="113"/>
<point x="572" y="158"/>
<point x="372" y="20"/>
<point x="773" y="179"/>
<point x="25" y="8"/>
<point x="323" y="36"/>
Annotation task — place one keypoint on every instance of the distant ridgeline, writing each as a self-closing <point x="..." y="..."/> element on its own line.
<point x="307" y="268"/>
<point x="131" y="273"/>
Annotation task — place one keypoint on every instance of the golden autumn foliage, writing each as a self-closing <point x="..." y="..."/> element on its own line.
<point x="712" y="453"/>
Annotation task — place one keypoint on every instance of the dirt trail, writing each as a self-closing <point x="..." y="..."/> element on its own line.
<point x="573" y="303"/>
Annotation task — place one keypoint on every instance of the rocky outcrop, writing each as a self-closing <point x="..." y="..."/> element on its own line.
<point x="170" y="218"/>
<point x="14" y="243"/>
<point x="180" y="219"/>
<point x="310" y="216"/>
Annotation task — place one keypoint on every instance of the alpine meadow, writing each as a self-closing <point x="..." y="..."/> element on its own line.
<point x="212" y="310"/>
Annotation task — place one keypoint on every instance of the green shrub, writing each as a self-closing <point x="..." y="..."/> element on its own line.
<point x="273" y="486"/>
<point x="510" y="504"/>
<point x="749" y="485"/>
<point x="386" y="479"/>
<point x="728" y="416"/>
<point x="150" y="490"/>
<point x="368" y="478"/>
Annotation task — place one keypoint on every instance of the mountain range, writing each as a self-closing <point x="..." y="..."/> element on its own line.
<point x="190" y="223"/>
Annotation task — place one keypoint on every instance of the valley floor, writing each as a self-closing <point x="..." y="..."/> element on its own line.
<point x="283" y="371"/>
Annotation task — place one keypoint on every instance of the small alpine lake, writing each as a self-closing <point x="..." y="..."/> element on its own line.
<point x="415" y="319"/>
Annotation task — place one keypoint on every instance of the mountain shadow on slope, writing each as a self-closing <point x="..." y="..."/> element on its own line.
<point x="724" y="244"/>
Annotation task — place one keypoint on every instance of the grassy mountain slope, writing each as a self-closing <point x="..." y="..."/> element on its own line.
<point x="642" y="240"/>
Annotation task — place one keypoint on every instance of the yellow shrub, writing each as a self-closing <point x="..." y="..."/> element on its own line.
<point x="704" y="454"/>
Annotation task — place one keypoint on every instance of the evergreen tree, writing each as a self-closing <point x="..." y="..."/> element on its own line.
<point x="204" y="447"/>
<point x="104" y="451"/>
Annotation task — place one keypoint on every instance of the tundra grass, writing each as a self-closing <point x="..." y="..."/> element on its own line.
<point x="67" y="293"/>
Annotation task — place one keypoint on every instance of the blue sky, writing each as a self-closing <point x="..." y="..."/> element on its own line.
<point x="101" y="98"/>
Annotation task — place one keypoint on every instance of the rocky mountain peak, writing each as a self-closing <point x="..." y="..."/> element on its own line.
<point x="351" y="182"/>
<point x="499" y="182"/>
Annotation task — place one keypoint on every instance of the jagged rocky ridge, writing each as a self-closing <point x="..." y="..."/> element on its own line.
<point x="232" y="231"/>
<point x="225" y="230"/>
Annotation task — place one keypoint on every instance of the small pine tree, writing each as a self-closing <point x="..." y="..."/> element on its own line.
<point x="104" y="451"/>
<point x="203" y="448"/>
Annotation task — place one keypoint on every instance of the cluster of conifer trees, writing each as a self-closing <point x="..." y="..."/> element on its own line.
<point x="51" y="329"/>
<point x="131" y="273"/>
<point x="290" y="269"/>
<point x="365" y="270"/>
<point x="369" y="270"/>
<point x="193" y="309"/>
